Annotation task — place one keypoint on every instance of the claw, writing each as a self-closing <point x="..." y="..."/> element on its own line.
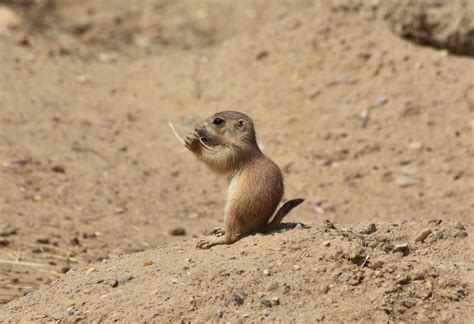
<point x="204" y="244"/>
<point x="218" y="231"/>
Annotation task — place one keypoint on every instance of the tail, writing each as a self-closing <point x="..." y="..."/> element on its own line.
<point x="283" y="211"/>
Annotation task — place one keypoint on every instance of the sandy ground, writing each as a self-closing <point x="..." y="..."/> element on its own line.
<point x="367" y="126"/>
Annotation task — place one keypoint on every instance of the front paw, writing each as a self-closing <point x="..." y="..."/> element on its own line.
<point x="192" y="142"/>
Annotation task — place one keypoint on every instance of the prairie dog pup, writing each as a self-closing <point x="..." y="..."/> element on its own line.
<point x="227" y="144"/>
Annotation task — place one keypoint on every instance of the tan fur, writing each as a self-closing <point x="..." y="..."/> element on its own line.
<point x="226" y="143"/>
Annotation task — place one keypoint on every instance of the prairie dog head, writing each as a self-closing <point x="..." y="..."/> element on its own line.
<point x="227" y="130"/>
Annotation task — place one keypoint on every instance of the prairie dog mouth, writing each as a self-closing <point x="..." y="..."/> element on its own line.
<point x="203" y="141"/>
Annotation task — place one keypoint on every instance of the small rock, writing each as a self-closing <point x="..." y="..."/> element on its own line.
<point x="326" y="243"/>
<point x="23" y="40"/>
<point x="178" y="231"/>
<point x="238" y="298"/>
<point x="119" y="210"/>
<point x="4" y="241"/>
<point x="403" y="248"/>
<point x="124" y="279"/>
<point x="408" y="302"/>
<point x="90" y="270"/>
<point x="82" y="79"/>
<point x="420" y="237"/>
<point x="328" y="224"/>
<point x="458" y="225"/>
<point x="367" y="228"/>
<point x="438" y="235"/>
<point x="107" y="57"/>
<point x="296" y="267"/>
<point x="343" y="276"/>
<point x="416" y="146"/>
<point x="402" y="280"/>
<point x="275" y="301"/>
<point x="337" y="80"/>
<point x="381" y="100"/>
<point x="220" y="313"/>
<point x="65" y="269"/>
<point x="356" y="279"/>
<point x="407" y="182"/>
<point x="325" y="289"/>
<point x="266" y="303"/>
<point x="147" y="263"/>
<point x="261" y="55"/>
<point x="419" y="275"/>
<point x="459" y="293"/>
<point x="266" y="272"/>
<point x="113" y="283"/>
<point x="99" y="280"/>
<point x="58" y="169"/>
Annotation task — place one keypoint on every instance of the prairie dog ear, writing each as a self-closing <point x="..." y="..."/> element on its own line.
<point x="240" y="124"/>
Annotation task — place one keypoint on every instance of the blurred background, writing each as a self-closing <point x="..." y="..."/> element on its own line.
<point x="367" y="106"/>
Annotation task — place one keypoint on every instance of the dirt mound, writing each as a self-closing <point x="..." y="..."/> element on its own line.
<point x="366" y="126"/>
<point x="448" y="25"/>
<point x="365" y="272"/>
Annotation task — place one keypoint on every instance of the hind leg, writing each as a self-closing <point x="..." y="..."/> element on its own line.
<point x="217" y="231"/>
<point x="230" y="234"/>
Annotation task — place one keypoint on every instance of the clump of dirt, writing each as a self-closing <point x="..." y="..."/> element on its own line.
<point x="443" y="25"/>
<point x="323" y="272"/>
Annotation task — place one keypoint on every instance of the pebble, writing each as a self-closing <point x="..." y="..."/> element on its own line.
<point x="403" y="248"/>
<point x="407" y="182"/>
<point x="367" y="228"/>
<point x="326" y="243"/>
<point x="276" y="301"/>
<point x="178" y="231"/>
<point x="408" y="302"/>
<point x="261" y="55"/>
<point x="403" y="280"/>
<point x="58" y="169"/>
<point x="113" y="283"/>
<point x="337" y="80"/>
<point x="343" y="276"/>
<point x="266" y="303"/>
<point x="266" y="272"/>
<point x="107" y="57"/>
<point x="90" y="270"/>
<point x="65" y="269"/>
<point x="238" y="298"/>
<point x="99" y="280"/>
<point x="421" y="236"/>
<point x="147" y="263"/>
<point x="82" y="79"/>
<point x="324" y="289"/>
<point x="416" y="146"/>
<point x="4" y="241"/>
<point x="124" y="279"/>
<point x="382" y="100"/>
<point x="458" y="225"/>
<point x="220" y="313"/>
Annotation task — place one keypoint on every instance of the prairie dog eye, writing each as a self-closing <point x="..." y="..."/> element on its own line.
<point x="218" y="121"/>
